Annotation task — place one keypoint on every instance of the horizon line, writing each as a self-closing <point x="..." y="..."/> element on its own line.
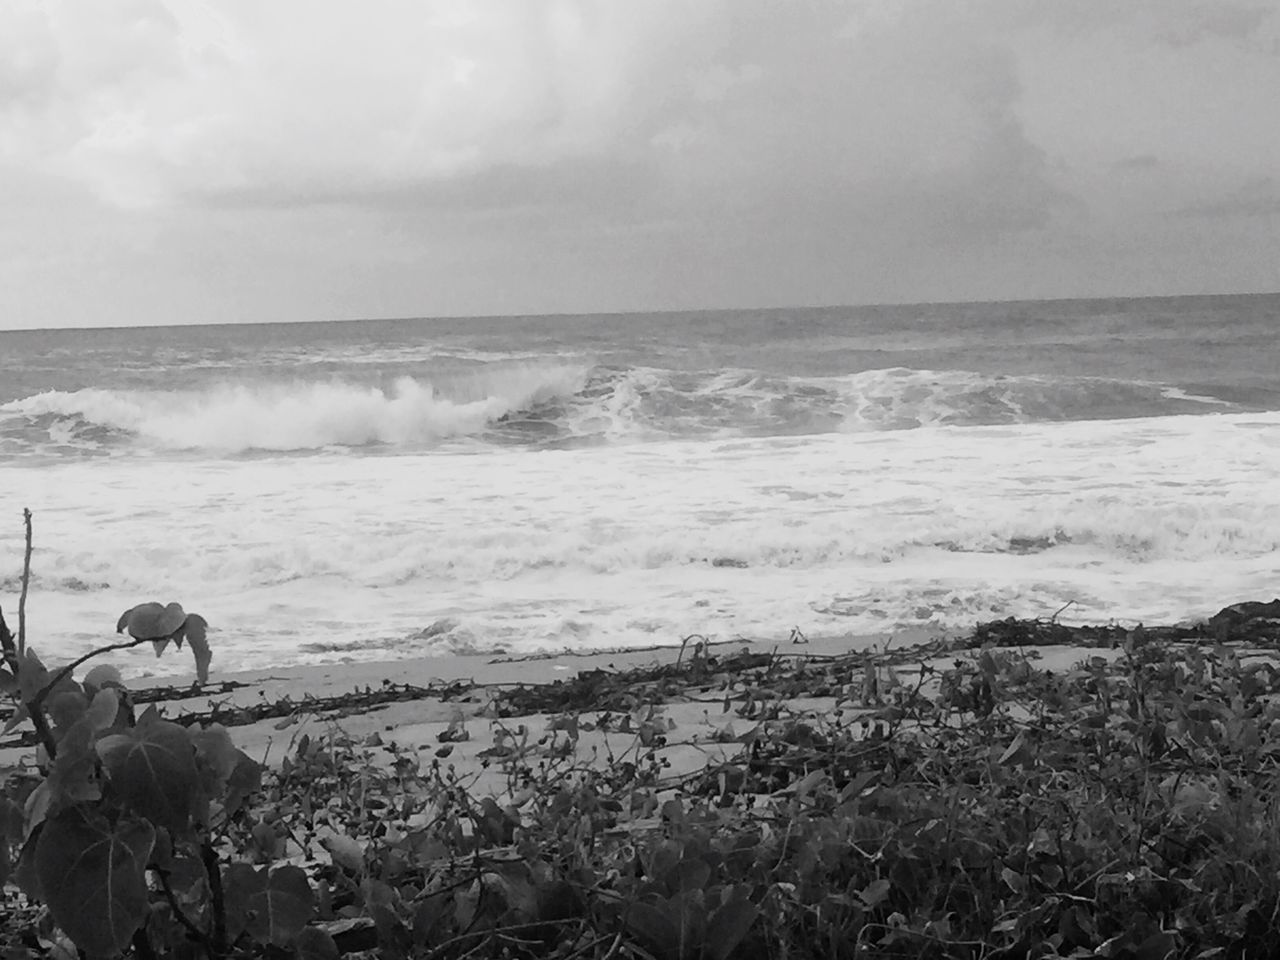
<point x="584" y="314"/>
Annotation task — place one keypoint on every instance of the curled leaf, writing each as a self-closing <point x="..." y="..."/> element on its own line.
<point x="151" y="621"/>
<point x="101" y="676"/>
<point x="194" y="628"/>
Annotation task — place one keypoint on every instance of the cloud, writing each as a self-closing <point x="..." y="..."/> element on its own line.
<point x="539" y="103"/>
<point x="423" y="155"/>
<point x="149" y="101"/>
<point x="901" y="116"/>
<point x="1177" y="23"/>
<point x="1142" y="161"/>
<point x="1257" y="198"/>
<point x="1223" y="20"/>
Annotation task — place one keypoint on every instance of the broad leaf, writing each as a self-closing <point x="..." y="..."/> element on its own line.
<point x="37" y="808"/>
<point x="103" y="710"/>
<point x="66" y="707"/>
<point x="73" y="777"/>
<point x="189" y="880"/>
<point x="153" y="770"/>
<point x="240" y="883"/>
<point x="314" y="944"/>
<point x="728" y="925"/>
<point x="654" y="928"/>
<point x="93" y="877"/>
<point x="284" y="908"/>
<point x="271" y="907"/>
<point x="195" y="629"/>
<point x="245" y="779"/>
<point x="150" y="621"/>
<point x="102" y="676"/>
<point x="216" y="758"/>
<point x="33" y="676"/>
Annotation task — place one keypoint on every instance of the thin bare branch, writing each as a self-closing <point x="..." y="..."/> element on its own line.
<point x="26" y="583"/>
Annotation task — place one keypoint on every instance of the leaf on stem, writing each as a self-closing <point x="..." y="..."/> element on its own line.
<point x="152" y="769"/>
<point x="92" y="875"/>
<point x="271" y="907"/>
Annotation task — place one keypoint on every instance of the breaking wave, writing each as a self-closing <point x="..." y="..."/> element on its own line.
<point x="542" y="403"/>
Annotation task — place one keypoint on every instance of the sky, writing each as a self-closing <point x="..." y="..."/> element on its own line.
<point x="208" y="161"/>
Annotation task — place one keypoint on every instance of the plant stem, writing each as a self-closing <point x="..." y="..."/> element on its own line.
<point x="178" y="912"/>
<point x="209" y="857"/>
<point x="26" y="582"/>
<point x="70" y="667"/>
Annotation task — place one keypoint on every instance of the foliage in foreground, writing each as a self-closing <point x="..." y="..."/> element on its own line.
<point x="988" y="809"/>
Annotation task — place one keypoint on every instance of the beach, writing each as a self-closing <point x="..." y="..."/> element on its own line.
<point x="452" y="702"/>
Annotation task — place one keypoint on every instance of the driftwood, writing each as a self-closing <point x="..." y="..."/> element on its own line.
<point x="772" y="676"/>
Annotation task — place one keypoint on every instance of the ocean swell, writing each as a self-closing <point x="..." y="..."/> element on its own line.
<point x="539" y="403"/>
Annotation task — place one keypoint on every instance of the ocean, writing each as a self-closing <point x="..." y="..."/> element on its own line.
<point x="379" y="490"/>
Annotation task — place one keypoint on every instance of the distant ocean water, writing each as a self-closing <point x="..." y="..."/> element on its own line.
<point x="388" y="489"/>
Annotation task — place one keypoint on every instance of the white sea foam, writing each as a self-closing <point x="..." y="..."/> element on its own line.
<point x="528" y="402"/>
<point x="339" y="556"/>
<point x="309" y="415"/>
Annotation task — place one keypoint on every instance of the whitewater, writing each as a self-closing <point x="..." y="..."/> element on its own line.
<point x="382" y="491"/>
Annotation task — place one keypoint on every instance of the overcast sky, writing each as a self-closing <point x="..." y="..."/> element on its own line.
<point x="169" y="161"/>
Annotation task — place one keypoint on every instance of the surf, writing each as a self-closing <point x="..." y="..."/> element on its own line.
<point x="292" y="416"/>
<point x="543" y="403"/>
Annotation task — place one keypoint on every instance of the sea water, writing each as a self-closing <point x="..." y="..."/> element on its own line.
<point x="368" y="490"/>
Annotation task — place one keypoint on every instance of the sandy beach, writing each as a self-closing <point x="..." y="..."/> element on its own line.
<point x="451" y="714"/>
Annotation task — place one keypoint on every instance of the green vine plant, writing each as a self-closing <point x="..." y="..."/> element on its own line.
<point x="119" y="831"/>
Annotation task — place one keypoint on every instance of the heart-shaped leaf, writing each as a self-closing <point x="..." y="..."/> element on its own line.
<point x="93" y="877"/>
<point x="153" y="770"/>
<point x="271" y="907"/>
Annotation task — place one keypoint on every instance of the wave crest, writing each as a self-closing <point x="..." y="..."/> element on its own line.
<point x="535" y="403"/>
<point x="298" y="416"/>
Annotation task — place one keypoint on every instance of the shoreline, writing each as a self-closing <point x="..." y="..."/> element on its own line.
<point x="443" y="708"/>
<point x="448" y="713"/>
<point x="467" y="710"/>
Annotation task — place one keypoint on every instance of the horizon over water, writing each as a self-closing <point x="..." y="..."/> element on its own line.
<point x="383" y="489"/>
